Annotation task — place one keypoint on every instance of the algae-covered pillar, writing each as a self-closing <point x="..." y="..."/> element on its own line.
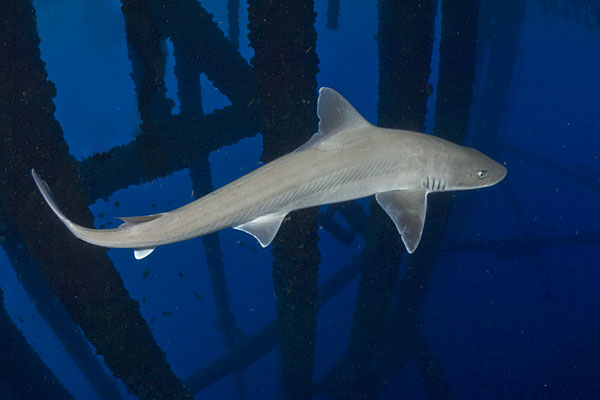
<point x="168" y="142"/>
<point x="53" y="312"/>
<point x="192" y="29"/>
<point x="454" y="92"/>
<point x="82" y="276"/>
<point x="285" y="64"/>
<point x="405" y="40"/>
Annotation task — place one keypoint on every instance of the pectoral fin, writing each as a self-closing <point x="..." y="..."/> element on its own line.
<point x="263" y="228"/>
<point x="407" y="209"/>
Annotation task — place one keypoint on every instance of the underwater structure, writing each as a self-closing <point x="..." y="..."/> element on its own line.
<point x="77" y="285"/>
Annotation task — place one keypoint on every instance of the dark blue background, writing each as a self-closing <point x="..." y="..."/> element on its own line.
<point x="518" y="320"/>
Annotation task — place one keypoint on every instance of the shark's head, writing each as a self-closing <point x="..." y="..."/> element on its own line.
<point x="470" y="169"/>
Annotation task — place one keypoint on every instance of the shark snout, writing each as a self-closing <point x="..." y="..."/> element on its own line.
<point x="495" y="172"/>
<point x="503" y="173"/>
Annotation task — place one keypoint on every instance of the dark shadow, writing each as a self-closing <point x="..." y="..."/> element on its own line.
<point x="23" y="374"/>
<point x="256" y="346"/>
<point x="233" y="17"/>
<point x="53" y="311"/>
<point x="333" y="14"/>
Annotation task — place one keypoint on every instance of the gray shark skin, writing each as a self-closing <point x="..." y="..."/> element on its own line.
<point x="348" y="158"/>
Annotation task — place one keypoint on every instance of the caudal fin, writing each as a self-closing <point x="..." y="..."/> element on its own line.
<point x="45" y="191"/>
<point x="101" y="237"/>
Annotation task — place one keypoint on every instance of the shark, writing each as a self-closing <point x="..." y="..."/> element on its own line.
<point x="347" y="158"/>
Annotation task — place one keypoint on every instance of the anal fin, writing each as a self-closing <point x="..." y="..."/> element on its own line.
<point x="143" y="253"/>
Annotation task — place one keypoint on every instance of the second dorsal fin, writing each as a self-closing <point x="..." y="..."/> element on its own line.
<point x="138" y="220"/>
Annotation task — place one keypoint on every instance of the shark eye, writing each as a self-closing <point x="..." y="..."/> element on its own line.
<point x="481" y="174"/>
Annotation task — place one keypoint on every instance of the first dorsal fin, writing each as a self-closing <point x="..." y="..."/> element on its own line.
<point x="336" y="117"/>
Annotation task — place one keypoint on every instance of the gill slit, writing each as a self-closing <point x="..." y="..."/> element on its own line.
<point x="431" y="183"/>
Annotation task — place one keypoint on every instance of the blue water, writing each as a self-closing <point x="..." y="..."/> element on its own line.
<point x="512" y="308"/>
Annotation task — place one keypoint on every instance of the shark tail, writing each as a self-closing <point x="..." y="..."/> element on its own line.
<point x="99" y="237"/>
<point x="49" y="198"/>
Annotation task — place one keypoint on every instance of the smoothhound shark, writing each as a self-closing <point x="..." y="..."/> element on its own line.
<point x="348" y="158"/>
